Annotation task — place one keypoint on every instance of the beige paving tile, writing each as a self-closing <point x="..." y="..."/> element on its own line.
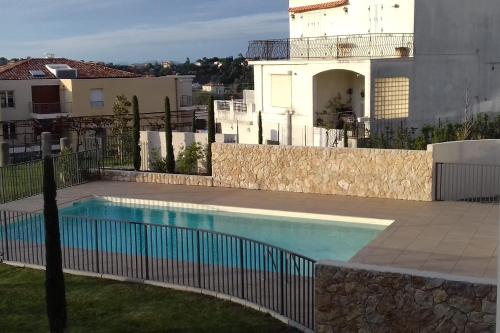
<point x="411" y="259"/>
<point x="426" y="244"/>
<point x="435" y="232"/>
<point x="379" y="260"/>
<point x="455" y="248"/>
<point x="475" y="267"/>
<point x="479" y="252"/>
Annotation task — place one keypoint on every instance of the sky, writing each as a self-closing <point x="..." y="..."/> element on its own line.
<point x="128" y="31"/>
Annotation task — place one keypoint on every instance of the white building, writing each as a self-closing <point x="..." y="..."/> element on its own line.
<point x="383" y="63"/>
<point x="216" y="89"/>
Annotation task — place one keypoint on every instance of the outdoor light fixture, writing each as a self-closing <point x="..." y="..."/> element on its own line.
<point x="346" y="10"/>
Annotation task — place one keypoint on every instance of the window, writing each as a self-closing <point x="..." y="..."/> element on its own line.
<point x="7" y="99"/>
<point x="186" y="100"/>
<point x="392" y="98"/>
<point x="9" y="131"/>
<point x="96" y="98"/>
<point x="281" y="94"/>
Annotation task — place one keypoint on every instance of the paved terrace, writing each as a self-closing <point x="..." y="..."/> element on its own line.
<point x="446" y="237"/>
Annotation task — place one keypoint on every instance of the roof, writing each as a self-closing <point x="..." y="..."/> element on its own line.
<point x="21" y="70"/>
<point x="320" y="6"/>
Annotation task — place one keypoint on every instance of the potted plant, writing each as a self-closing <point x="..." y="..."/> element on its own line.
<point x="403" y="51"/>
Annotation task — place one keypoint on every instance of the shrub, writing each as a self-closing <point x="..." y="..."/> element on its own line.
<point x="189" y="158"/>
<point x="157" y="163"/>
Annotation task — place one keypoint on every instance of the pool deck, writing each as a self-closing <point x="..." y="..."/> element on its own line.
<point x="443" y="237"/>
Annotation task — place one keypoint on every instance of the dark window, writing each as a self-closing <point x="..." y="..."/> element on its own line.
<point x="7" y="99"/>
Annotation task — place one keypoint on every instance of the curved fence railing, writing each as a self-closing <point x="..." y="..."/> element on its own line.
<point x="265" y="275"/>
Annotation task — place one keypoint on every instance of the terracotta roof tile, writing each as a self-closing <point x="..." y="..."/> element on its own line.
<point x="320" y="6"/>
<point x="21" y="70"/>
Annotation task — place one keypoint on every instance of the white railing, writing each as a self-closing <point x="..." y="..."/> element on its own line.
<point x="234" y="110"/>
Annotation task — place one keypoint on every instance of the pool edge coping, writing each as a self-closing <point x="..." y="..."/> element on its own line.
<point x="245" y="210"/>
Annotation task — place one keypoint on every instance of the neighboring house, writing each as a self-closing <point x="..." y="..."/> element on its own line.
<point x="42" y="90"/>
<point x="385" y="63"/>
<point x="167" y="64"/>
<point x="216" y="89"/>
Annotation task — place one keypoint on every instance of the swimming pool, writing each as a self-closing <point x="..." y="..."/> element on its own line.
<point x="318" y="238"/>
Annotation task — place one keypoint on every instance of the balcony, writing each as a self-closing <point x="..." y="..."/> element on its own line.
<point x="234" y="110"/>
<point x="50" y="110"/>
<point x="333" y="47"/>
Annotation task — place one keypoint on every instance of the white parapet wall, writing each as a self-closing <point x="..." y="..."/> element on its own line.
<point x="157" y="141"/>
<point x="467" y="152"/>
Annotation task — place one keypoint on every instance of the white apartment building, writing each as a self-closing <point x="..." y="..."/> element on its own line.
<point x="380" y="62"/>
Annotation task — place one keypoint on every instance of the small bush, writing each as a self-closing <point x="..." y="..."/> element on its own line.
<point x="189" y="158"/>
<point x="157" y="163"/>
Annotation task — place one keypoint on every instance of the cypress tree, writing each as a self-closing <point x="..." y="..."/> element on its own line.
<point x="194" y="121"/>
<point x="261" y="139"/>
<point x="211" y="133"/>
<point x="346" y="139"/>
<point x="136" y="149"/>
<point x="168" y="136"/>
<point x="54" y="277"/>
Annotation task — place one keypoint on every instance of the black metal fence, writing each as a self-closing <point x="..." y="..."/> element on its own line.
<point x="333" y="47"/>
<point x="24" y="180"/>
<point x="467" y="182"/>
<point x="265" y="275"/>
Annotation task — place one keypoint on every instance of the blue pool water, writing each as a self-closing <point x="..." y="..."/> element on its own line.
<point x="318" y="240"/>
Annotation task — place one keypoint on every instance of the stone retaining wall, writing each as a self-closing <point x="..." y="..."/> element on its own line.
<point x="359" y="300"/>
<point x="392" y="174"/>
<point x="156" y="178"/>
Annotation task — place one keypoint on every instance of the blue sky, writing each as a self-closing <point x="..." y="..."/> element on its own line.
<point x="137" y="30"/>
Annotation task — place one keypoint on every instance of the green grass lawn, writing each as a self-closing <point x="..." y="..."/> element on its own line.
<point x="96" y="305"/>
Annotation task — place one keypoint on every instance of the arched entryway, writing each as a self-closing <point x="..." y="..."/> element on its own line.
<point x="337" y="92"/>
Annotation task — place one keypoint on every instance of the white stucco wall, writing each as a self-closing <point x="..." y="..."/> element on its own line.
<point x="362" y="17"/>
<point x="456" y="47"/>
<point x="303" y="94"/>
<point x="156" y="140"/>
<point x="468" y="152"/>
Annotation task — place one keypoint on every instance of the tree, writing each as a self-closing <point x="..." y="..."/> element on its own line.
<point x="168" y="136"/>
<point x="136" y="134"/>
<point x="261" y="139"/>
<point x="121" y="112"/>
<point x="345" y="136"/>
<point x="54" y="277"/>
<point x="194" y="121"/>
<point x="211" y="133"/>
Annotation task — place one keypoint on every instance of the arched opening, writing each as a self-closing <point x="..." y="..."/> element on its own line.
<point x="338" y="95"/>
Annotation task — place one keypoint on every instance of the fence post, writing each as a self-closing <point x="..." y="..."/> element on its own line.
<point x="198" y="257"/>
<point x="3" y="199"/>
<point x="146" y="254"/>
<point x="282" y="284"/>
<point x="242" y="270"/>
<point x="5" y="235"/>
<point x="78" y="171"/>
<point x="96" y="243"/>
<point x="4" y="154"/>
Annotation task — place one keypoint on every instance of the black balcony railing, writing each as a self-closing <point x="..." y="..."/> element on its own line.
<point x="46" y="108"/>
<point x="333" y="47"/>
